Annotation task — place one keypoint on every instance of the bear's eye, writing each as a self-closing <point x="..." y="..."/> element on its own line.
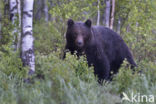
<point x="75" y="34"/>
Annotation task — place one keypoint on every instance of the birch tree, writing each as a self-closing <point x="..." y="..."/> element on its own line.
<point x="119" y="25"/>
<point x="19" y="23"/>
<point x="46" y="14"/>
<point x="112" y="14"/>
<point x="13" y="10"/>
<point x="28" y="56"/>
<point x="107" y="13"/>
<point x="13" y="18"/>
<point x="98" y="17"/>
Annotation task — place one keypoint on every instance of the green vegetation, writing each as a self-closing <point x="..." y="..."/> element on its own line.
<point x="71" y="81"/>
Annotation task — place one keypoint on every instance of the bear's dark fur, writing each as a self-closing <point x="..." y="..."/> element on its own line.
<point x="104" y="48"/>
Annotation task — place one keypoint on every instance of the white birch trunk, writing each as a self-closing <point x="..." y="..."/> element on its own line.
<point x="13" y="18"/>
<point x="13" y="10"/>
<point x="107" y="13"/>
<point x="119" y="25"/>
<point x="112" y="14"/>
<point x="19" y="20"/>
<point x="46" y="14"/>
<point x="98" y="16"/>
<point x="28" y="56"/>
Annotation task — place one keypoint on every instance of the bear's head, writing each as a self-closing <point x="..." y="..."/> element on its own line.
<point x="78" y="33"/>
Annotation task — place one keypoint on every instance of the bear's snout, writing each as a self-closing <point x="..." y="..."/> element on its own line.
<point x="79" y="41"/>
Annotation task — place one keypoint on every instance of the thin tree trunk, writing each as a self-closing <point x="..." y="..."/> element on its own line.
<point x="103" y="13"/>
<point x="13" y="18"/>
<point x="0" y="16"/>
<point x="46" y="14"/>
<point x="51" y="18"/>
<point x="6" y="8"/>
<point x="112" y="14"/>
<point x="0" y="19"/>
<point x="38" y="13"/>
<point x="0" y="23"/>
<point x="128" y="28"/>
<point x="98" y="17"/>
<point x="28" y="56"/>
<point x="107" y="13"/>
<point x="119" y="25"/>
<point x="19" y="23"/>
<point x="13" y="11"/>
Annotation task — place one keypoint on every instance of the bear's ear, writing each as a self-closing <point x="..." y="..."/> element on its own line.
<point x="70" y="22"/>
<point x="88" y="23"/>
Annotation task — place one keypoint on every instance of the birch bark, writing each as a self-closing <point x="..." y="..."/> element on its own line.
<point x="19" y="23"/>
<point x="119" y="25"/>
<point x="27" y="54"/>
<point x="98" y="17"/>
<point x="107" y="13"/>
<point x="13" y="10"/>
<point x="112" y="14"/>
<point x="13" y="18"/>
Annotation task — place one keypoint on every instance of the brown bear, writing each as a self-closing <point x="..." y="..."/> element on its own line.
<point x="103" y="47"/>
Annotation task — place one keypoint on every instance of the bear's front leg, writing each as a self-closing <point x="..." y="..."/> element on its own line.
<point x="100" y="62"/>
<point x="102" y="68"/>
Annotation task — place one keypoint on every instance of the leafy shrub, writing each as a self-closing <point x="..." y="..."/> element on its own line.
<point x="11" y="64"/>
<point x="47" y="38"/>
<point x="141" y="81"/>
<point x="65" y="81"/>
